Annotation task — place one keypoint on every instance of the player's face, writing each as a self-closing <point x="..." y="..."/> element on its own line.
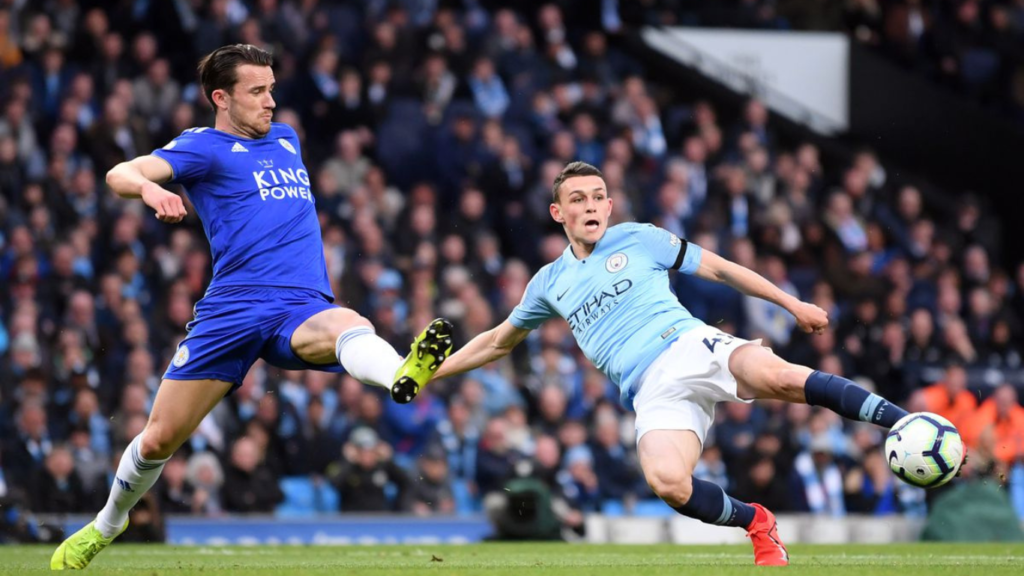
<point x="250" y="104"/>
<point x="583" y="208"/>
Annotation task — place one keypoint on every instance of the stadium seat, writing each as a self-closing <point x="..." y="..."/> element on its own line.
<point x="327" y="498"/>
<point x="465" y="503"/>
<point x="299" y="497"/>
<point x="652" y="508"/>
<point x="612" y="508"/>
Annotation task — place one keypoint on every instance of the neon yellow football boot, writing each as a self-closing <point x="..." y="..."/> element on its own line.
<point x="80" y="548"/>
<point x="429" y="350"/>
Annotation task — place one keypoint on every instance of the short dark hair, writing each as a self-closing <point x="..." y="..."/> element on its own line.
<point x="218" y="70"/>
<point x="572" y="170"/>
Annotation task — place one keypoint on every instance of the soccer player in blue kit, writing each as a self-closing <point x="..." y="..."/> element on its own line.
<point x="269" y="297"/>
<point x="612" y="286"/>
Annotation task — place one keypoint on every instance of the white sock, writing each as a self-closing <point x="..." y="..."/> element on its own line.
<point x="135" y="476"/>
<point x="368" y="357"/>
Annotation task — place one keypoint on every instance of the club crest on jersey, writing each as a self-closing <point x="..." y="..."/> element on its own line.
<point x="181" y="356"/>
<point x="616" y="262"/>
<point x="287" y="145"/>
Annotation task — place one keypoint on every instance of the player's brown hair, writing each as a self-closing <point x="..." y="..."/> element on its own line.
<point x="218" y="70"/>
<point x="572" y="170"/>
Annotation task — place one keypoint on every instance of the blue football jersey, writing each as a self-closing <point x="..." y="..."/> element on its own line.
<point x="618" y="301"/>
<point x="256" y="204"/>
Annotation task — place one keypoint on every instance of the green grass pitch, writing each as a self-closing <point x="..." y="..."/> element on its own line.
<point x="530" y="558"/>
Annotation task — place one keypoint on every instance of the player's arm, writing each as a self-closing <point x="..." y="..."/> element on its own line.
<point x="141" y="178"/>
<point x="713" y="267"/>
<point x="485" y="348"/>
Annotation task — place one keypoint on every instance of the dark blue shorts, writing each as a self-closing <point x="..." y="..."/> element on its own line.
<point x="235" y="325"/>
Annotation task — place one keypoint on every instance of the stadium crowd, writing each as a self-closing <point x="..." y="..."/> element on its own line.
<point x="434" y="131"/>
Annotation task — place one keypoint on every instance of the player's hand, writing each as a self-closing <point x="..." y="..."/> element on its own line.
<point x="169" y="206"/>
<point x="810" y="318"/>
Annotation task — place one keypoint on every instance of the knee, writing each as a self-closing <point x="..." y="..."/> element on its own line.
<point x="157" y="443"/>
<point x="672" y="484"/>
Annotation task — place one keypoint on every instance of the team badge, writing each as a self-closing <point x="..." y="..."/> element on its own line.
<point x="181" y="356"/>
<point x="616" y="262"/>
<point x="287" y="145"/>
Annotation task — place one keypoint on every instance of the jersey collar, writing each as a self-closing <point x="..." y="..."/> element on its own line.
<point x="569" y="255"/>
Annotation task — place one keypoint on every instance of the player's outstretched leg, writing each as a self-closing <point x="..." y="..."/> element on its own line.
<point x="429" y="350"/>
<point x="80" y="548"/>
<point x="761" y="374"/>
<point x="668" y="458"/>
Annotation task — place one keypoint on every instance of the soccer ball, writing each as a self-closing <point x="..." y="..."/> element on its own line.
<point x="924" y="449"/>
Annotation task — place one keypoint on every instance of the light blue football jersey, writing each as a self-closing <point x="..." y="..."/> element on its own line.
<point x="618" y="301"/>
<point x="256" y="204"/>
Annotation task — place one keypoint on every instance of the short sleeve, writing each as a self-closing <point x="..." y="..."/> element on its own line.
<point x="188" y="155"/>
<point x="533" y="310"/>
<point x="668" y="250"/>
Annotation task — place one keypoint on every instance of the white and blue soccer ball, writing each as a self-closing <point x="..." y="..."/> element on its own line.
<point x="924" y="449"/>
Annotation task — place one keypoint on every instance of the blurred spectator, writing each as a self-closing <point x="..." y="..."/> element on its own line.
<point x="366" y="477"/>
<point x="56" y="487"/>
<point x="818" y="480"/>
<point x="26" y="451"/>
<point x="759" y="484"/>
<point x="1004" y="416"/>
<point x="432" y="493"/>
<point x="458" y="436"/>
<point x="617" y="471"/>
<point x="204" y="472"/>
<point x="174" y="493"/>
<point x="950" y="398"/>
<point x="495" y="457"/>
<point x="248" y="485"/>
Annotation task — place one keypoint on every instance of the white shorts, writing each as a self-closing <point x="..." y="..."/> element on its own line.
<point x="679" y="390"/>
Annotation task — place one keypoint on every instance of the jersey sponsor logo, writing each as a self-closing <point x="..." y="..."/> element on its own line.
<point x="239" y="148"/>
<point x="595" y="307"/>
<point x="283" y="183"/>
<point x="181" y="356"/>
<point x="268" y="164"/>
<point x="287" y="145"/>
<point x="616" y="262"/>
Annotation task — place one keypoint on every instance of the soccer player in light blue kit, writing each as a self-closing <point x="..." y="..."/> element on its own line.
<point x="269" y="297"/>
<point x="612" y="286"/>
